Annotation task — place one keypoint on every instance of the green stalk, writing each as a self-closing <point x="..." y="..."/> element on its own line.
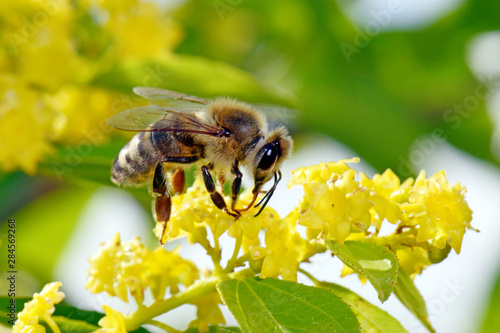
<point x="52" y="324"/>
<point x="202" y="287"/>
<point x="163" y="326"/>
<point x="231" y="264"/>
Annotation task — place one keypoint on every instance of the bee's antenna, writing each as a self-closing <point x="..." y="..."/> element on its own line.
<point x="265" y="199"/>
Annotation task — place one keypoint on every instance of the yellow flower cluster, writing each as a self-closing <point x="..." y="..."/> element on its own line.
<point x="429" y="217"/>
<point x="440" y="211"/>
<point x="41" y="307"/>
<point x="336" y="204"/>
<point x="429" y="213"/>
<point x="120" y="268"/>
<point x="50" y="53"/>
<point x="285" y="249"/>
<point x="193" y="213"/>
<point x="130" y="267"/>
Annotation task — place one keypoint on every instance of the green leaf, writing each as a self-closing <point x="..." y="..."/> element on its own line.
<point x="215" y="329"/>
<point x="408" y="294"/>
<point x="67" y="317"/>
<point x="6" y="309"/>
<point x="371" y="318"/>
<point x="194" y="75"/>
<point x="71" y="312"/>
<point x="42" y="229"/>
<point x="491" y="324"/>
<point x="376" y="262"/>
<point x="74" y="326"/>
<point x="93" y="166"/>
<point x="273" y="305"/>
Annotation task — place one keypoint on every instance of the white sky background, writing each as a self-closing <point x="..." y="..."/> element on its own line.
<point x="456" y="290"/>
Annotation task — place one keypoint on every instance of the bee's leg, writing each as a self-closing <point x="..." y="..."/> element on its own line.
<point x="235" y="187"/>
<point x="178" y="181"/>
<point x="217" y="198"/>
<point x="162" y="199"/>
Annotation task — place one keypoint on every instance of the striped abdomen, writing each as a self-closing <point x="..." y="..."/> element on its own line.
<point x="136" y="161"/>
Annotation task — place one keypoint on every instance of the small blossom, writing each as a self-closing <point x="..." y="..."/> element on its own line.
<point x="41" y="307"/>
<point x="285" y="249"/>
<point x="191" y="213"/>
<point x="413" y="260"/>
<point x="385" y="184"/>
<point x="103" y="270"/>
<point x="440" y="211"/>
<point x="87" y="127"/>
<point x="25" y="116"/>
<point x="141" y="30"/>
<point x="335" y="205"/>
<point x="248" y="224"/>
<point x="194" y="210"/>
<point x="383" y="189"/>
<point x="208" y="312"/>
<point x="130" y="267"/>
<point x="167" y="270"/>
<point x="320" y="173"/>
<point x="113" y="322"/>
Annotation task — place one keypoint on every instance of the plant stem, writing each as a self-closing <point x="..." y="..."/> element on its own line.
<point x="163" y="326"/>
<point x="200" y="288"/>
<point x="216" y="257"/>
<point x="194" y="291"/>
<point x="310" y="277"/>
<point x="232" y="262"/>
<point x="52" y="324"/>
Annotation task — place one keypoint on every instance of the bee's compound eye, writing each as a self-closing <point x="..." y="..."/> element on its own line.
<point x="269" y="157"/>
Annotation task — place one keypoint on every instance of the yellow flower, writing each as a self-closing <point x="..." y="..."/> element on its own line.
<point x="111" y="5"/>
<point x="440" y="211"/>
<point x="249" y="225"/>
<point x="384" y="189"/>
<point x="103" y="269"/>
<point x="168" y="269"/>
<point x="285" y="249"/>
<point x="336" y="205"/>
<point x="41" y="307"/>
<point x="130" y="267"/>
<point x="113" y="322"/>
<point x="320" y="173"/>
<point x="385" y="184"/>
<point x="208" y="312"/>
<point x="48" y="44"/>
<point x="194" y="210"/>
<point x="346" y="270"/>
<point x="26" y="126"/>
<point x="83" y="112"/>
<point x="413" y="260"/>
<point x="191" y="213"/>
<point x="142" y="30"/>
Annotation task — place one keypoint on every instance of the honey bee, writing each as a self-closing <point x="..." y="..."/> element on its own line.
<point x="177" y="131"/>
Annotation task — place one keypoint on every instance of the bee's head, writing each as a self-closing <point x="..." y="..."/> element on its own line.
<point x="267" y="161"/>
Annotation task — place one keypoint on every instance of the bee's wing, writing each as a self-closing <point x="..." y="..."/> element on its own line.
<point x="277" y="115"/>
<point x="147" y="118"/>
<point x="162" y="97"/>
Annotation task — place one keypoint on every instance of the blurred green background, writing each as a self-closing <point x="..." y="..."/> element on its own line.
<point x="395" y="81"/>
